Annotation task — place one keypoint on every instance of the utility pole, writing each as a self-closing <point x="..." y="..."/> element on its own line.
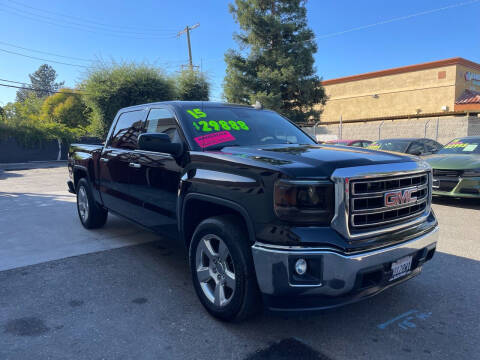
<point x="187" y="30"/>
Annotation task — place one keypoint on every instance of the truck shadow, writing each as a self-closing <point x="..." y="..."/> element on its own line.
<point x="9" y="174"/>
<point x="457" y="202"/>
<point x="422" y="307"/>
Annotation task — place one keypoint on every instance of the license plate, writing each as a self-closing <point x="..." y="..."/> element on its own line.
<point x="401" y="267"/>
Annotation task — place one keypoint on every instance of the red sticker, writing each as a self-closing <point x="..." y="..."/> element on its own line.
<point x="214" y="139"/>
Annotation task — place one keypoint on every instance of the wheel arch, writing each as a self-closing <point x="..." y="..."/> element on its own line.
<point x="79" y="171"/>
<point x="198" y="207"/>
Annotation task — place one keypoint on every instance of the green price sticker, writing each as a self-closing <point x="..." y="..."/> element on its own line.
<point x="197" y="113"/>
<point x="214" y="125"/>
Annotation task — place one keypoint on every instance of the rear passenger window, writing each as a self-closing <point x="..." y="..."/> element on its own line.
<point x="162" y="121"/>
<point x="129" y="126"/>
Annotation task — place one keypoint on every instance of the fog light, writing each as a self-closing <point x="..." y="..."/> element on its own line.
<point x="301" y="266"/>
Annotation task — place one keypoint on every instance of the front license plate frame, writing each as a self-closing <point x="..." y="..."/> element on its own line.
<point x="402" y="267"/>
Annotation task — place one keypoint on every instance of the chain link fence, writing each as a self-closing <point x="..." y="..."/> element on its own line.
<point x="441" y="129"/>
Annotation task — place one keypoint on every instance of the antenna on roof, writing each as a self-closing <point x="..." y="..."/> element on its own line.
<point x="258" y="105"/>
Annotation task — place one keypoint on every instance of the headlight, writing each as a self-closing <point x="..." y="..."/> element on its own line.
<point x="471" y="172"/>
<point x="304" y="201"/>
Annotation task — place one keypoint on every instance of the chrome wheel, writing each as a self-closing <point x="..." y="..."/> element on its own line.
<point x="215" y="270"/>
<point x="82" y="203"/>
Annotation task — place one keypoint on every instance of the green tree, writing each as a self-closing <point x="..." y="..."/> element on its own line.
<point x="107" y="89"/>
<point x="65" y="107"/>
<point x="278" y="68"/>
<point x="42" y="83"/>
<point x="192" y="85"/>
<point x="24" y="112"/>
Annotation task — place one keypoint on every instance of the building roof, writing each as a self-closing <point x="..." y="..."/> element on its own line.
<point x="469" y="97"/>
<point x="405" y="69"/>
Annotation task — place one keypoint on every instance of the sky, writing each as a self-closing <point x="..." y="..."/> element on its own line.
<point x="353" y="37"/>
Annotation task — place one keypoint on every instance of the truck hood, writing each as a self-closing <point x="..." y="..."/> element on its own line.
<point x="311" y="160"/>
<point x="453" y="161"/>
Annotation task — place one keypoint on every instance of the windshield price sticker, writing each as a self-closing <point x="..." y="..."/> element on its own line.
<point x="197" y="113"/>
<point x="214" y="125"/>
<point x="470" y="147"/>
<point x="214" y="139"/>
<point x="455" y="144"/>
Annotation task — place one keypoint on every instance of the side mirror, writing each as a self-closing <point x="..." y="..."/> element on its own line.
<point x="416" y="153"/>
<point x="159" y="142"/>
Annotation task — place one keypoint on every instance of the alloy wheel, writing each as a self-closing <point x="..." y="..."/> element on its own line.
<point x="215" y="270"/>
<point x="82" y="203"/>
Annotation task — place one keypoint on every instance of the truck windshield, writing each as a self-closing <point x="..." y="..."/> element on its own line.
<point x="214" y="127"/>
<point x="462" y="146"/>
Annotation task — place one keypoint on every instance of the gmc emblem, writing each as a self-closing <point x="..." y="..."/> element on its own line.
<point x="400" y="197"/>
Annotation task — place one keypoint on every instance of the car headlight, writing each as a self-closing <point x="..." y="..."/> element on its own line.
<point x="471" y="172"/>
<point x="304" y="201"/>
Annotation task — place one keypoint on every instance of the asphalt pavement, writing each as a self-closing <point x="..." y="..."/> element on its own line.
<point x="123" y="293"/>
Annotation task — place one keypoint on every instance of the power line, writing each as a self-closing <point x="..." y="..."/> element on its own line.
<point x="63" y="15"/>
<point x="426" y="12"/>
<point x="47" y="60"/>
<point x="46" y="53"/>
<point x="42" y="90"/>
<point x="83" y="27"/>
<point x="15" y="82"/>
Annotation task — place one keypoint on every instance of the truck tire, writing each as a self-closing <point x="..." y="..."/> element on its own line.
<point x="222" y="269"/>
<point x="91" y="214"/>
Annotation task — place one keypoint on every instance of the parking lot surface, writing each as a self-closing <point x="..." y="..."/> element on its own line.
<point x="122" y="293"/>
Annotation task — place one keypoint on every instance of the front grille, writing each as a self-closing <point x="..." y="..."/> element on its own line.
<point x="383" y="202"/>
<point x="446" y="180"/>
<point x="447" y="173"/>
<point x="445" y="185"/>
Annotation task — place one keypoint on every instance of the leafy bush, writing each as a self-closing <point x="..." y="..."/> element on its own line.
<point x="192" y="85"/>
<point x="34" y="135"/>
<point x="66" y="107"/>
<point x="107" y="89"/>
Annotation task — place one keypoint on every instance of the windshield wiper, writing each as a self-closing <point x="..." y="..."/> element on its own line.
<point x="220" y="147"/>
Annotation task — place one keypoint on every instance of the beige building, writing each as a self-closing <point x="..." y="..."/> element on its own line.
<point x="443" y="87"/>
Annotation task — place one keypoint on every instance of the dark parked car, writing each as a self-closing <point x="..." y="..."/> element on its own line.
<point x="267" y="215"/>
<point x="357" y="143"/>
<point x="413" y="146"/>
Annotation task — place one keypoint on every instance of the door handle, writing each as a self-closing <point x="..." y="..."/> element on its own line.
<point x="105" y="160"/>
<point x="134" y="165"/>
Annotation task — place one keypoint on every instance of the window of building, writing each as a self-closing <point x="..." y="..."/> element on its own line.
<point x="129" y="126"/>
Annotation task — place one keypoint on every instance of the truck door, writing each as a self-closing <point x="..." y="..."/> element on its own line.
<point x="156" y="178"/>
<point x="115" y="162"/>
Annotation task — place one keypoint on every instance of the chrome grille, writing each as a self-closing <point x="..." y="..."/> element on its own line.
<point x="447" y="173"/>
<point x="446" y="180"/>
<point x="369" y="207"/>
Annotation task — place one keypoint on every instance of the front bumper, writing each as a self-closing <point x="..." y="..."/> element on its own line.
<point x="468" y="187"/>
<point x="334" y="279"/>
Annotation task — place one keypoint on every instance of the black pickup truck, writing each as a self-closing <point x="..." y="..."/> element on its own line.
<point x="268" y="216"/>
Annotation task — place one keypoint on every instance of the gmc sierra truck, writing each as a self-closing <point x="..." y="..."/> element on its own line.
<point x="269" y="217"/>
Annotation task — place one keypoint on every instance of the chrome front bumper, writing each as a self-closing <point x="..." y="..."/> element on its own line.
<point x="336" y="275"/>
